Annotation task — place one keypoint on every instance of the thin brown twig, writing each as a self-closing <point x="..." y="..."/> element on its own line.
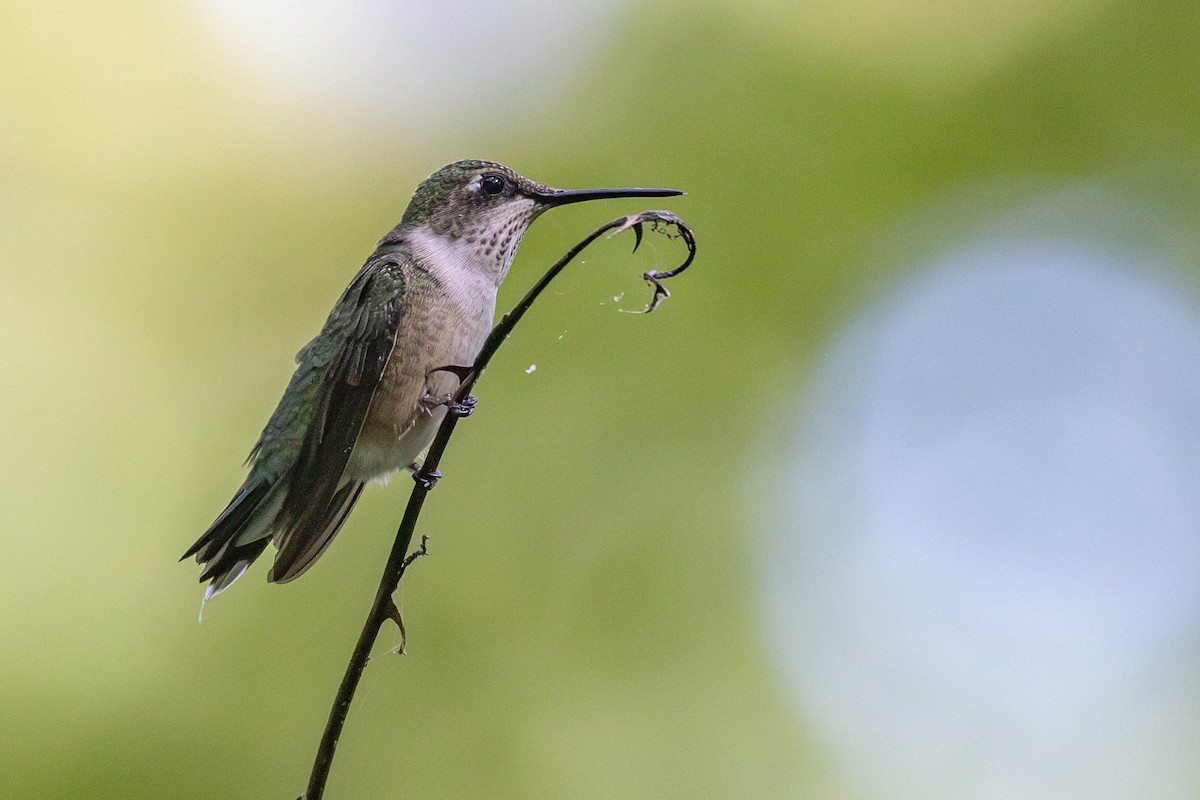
<point x="384" y="606"/>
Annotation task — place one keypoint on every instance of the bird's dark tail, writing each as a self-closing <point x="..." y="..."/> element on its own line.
<point x="250" y="521"/>
<point x="237" y="537"/>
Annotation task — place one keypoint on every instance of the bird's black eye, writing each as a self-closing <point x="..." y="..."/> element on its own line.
<point x="492" y="183"/>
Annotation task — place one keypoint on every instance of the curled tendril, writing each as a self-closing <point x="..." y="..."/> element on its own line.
<point x="667" y="224"/>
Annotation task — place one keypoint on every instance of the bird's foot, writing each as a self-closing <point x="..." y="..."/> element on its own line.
<point x="426" y="480"/>
<point x="463" y="408"/>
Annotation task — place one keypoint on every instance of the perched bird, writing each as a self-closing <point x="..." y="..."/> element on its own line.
<point x="369" y="391"/>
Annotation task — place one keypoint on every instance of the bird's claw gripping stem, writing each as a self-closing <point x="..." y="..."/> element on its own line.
<point x="459" y="408"/>
<point x="465" y="408"/>
<point x="427" y="480"/>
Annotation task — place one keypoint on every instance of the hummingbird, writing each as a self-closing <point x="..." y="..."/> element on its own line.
<point x="370" y="391"/>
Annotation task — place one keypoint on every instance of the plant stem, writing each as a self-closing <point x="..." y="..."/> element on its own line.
<point x="384" y="607"/>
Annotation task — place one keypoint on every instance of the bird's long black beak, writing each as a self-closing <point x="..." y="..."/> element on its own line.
<point x="561" y="197"/>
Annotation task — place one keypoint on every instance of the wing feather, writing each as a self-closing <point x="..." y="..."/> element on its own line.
<point x="360" y="337"/>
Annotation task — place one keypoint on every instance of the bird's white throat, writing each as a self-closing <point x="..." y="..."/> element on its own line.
<point x="458" y="265"/>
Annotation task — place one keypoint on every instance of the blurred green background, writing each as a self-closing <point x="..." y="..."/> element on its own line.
<point x="176" y="219"/>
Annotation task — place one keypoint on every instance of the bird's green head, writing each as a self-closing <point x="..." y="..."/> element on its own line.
<point x="487" y="207"/>
<point x="470" y="194"/>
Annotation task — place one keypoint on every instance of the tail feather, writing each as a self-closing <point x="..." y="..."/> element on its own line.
<point x="232" y="520"/>
<point x="237" y="537"/>
<point x="252" y="519"/>
<point x="221" y="583"/>
<point x="306" y="539"/>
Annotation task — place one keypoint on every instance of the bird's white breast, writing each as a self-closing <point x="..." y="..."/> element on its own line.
<point x="448" y="329"/>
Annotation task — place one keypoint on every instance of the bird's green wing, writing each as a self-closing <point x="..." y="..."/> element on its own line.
<point x="295" y="491"/>
<point x="345" y="364"/>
